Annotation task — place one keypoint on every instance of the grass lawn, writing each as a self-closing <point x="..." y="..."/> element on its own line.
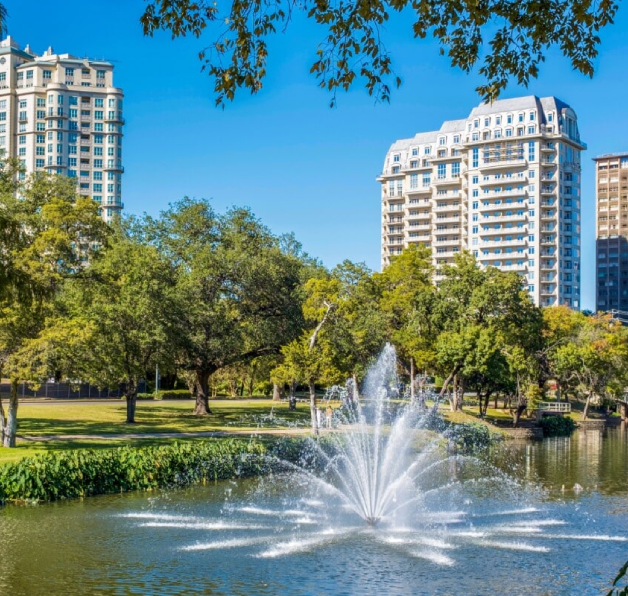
<point x="67" y="418"/>
<point x="463" y="416"/>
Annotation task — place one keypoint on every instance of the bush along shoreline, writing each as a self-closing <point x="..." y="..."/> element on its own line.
<point x="88" y="472"/>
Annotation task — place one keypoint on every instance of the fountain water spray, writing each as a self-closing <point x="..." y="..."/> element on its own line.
<point x="370" y="463"/>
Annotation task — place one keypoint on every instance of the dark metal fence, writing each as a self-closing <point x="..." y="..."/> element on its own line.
<point x="66" y="391"/>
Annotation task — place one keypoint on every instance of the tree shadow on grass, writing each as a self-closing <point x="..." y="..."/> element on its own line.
<point x="158" y="419"/>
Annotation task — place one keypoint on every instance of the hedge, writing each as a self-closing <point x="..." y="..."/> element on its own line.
<point x="557" y="426"/>
<point x="166" y="394"/>
<point x="86" y="472"/>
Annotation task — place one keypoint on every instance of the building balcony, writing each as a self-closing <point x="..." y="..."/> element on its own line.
<point x="503" y="242"/>
<point x="446" y="220"/>
<point x="500" y="256"/>
<point x="119" y="169"/>
<point x="419" y="190"/>
<point x="445" y="158"/>
<point x="504" y="181"/>
<point x="501" y="218"/>
<point x="443" y="255"/>
<point x="116" y="119"/>
<point x="545" y="215"/>
<point x="448" y="242"/>
<point x="449" y="207"/>
<point x="501" y="206"/>
<point x="446" y="181"/>
<point x="410" y="168"/>
<point x="548" y="190"/>
<point x="504" y="163"/>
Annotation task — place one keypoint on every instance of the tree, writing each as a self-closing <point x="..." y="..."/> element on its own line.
<point x="357" y="332"/>
<point x="408" y="300"/>
<point x="48" y="235"/>
<point x="515" y="36"/>
<point x="130" y="308"/>
<point x="595" y="357"/>
<point x="483" y="311"/>
<point x="237" y="283"/>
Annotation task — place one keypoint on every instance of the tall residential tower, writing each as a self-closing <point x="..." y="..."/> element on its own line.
<point x="503" y="183"/>
<point x="62" y="114"/>
<point x="611" y="231"/>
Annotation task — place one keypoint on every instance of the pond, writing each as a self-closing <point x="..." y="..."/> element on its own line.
<point x="529" y="533"/>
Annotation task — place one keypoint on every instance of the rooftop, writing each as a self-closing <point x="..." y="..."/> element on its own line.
<point x="611" y="155"/>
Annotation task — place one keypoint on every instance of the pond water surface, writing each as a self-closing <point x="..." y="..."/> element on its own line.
<point x="279" y="536"/>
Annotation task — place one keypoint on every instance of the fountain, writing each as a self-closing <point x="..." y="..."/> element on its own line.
<point x="386" y="483"/>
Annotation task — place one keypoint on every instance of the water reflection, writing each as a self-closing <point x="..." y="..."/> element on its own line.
<point x="594" y="459"/>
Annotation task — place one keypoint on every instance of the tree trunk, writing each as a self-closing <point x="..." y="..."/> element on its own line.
<point x="202" y="392"/>
<point x="131" y="402"/>
<point x="292" y="398"/>
<point x="10" y="426"/>
<point x="453" y="398"/>
<point x="521" y="408"/>
<point x="313" y="408"/>
<point x="585" y="412"/>
<point x="486" y="400"/>
<point x="276" y="392"/>
<point x="453" y="373"/>
<point x="412" y="379"/>
<point x="496" y="396"/>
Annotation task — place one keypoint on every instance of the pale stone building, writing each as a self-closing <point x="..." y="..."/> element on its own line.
<point x="503" y="183"/>
<point x="62" y="114"/>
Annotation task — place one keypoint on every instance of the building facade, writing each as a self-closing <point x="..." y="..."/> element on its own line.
<point x="611" y="227"/>
<point x="503" y="183"/>
<point x="63" y="115"/>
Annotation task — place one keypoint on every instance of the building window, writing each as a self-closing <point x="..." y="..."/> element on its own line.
<point x="475" y="161"/>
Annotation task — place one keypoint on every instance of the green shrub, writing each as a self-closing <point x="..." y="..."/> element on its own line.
<point x="174" y="394"/>
<point x="85" y="472"/>
<point x="165" y="394"/>
<point x="471" y="437"/>
<point x="557" y="426"/>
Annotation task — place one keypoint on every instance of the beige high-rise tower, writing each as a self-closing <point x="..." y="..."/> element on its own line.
<point x="611" y="232"/>
<point x="62" y="114"/>
<point x="503" y="183"/>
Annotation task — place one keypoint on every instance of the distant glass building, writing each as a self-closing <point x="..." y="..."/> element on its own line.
<point x="611" y="226"/>
<point x="503" y="183"/>
<point x="62" y="114"/>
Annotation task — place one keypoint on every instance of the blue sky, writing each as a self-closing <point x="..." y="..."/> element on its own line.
<point x="298" y="164"/>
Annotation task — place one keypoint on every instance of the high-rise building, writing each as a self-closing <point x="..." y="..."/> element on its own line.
<point x="62" y="114"/>
<point x="503" y="183"/>
<point x="611" y="227"/>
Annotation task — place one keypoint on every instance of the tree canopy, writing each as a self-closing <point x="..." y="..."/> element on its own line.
<point x="502" y="39"/>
